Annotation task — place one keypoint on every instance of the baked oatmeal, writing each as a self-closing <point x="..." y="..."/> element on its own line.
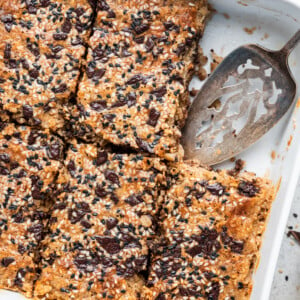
<point x="211" y="233"/>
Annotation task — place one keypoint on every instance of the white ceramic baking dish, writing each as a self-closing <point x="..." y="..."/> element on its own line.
<point x="274" y="21"/>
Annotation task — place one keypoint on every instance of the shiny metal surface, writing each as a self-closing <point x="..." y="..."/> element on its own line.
<point x="244" y="97"/>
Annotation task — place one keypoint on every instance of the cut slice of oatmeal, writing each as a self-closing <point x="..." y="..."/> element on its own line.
<point x="212" y="226"/>
<point x="100" y="225"/>
<point x="40" y="55"/>
<point x="29" y="162"/>
<point x="134" y="90"/>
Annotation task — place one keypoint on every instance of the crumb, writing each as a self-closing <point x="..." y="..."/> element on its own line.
<point x="249" y="30"/>
<point x="280" y="271"/>
<point x="286" y="278"/>
<point x="226" y="16"/>
<point x="265" y="37"/>
<point x="202" y="74"/>
<point x="193" y="92"/>
<point x="289" y="141"/>
<point x="239" y="165"/>
<point x="273" y="155"/>
<point x="295" y="215"/>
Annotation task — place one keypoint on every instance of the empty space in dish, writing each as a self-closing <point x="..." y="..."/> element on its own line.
<point x="276" y="155"/>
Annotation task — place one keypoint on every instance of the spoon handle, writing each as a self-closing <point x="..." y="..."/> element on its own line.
<point x="290" y="45"/>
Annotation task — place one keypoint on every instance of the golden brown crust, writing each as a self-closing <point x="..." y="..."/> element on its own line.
<point x="100" y="225"/>
<point x="212" y="226"/>
<point x="29" y="162"/>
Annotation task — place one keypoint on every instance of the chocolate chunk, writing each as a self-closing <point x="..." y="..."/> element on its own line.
<point x="98" y="105"/>
<point x="131" y="99"/>
<point x="86" y="261"/>
<point x="72" y="168"/>
<point x="8" y="21"/>
<point x="169" y="25"/>
<point x="6" y="261"/>
<point x="160" y="92"/>
<point x="141" y="28"/>
<point x="94" y="74"/>
<point x="180" y="49"/>
<point x="31" y="6"/>
<point x="149" y="45"/>
<point x="60" y="36"/>
<point x="7" y="51"/>
<point x="19" y="277"/>
<point x="237" y="246"/>
<point x="66" y="26"/>
<point x="100" y="191"/>
<point x="32" y="137"/>
<point x="216" y="189"/>
<point x="153" y="117"/>
<point x="112" y="176"/>
<point x="59" y="206"/>
<point x="75" y="41"/>
<point x="111" y="14"/>
<point x="21" y="249"/>
<point x="111" y="223"/>
<point x="4" y="157"/>
<point x="139" y="39"/>
<point x="85" y="224"/>
<point x="24" y="63"/>
<point x="134" y="200"/>
<point x="109" y="244"/>
<point x="102" y="157"/>
<point x="114" y="198"/>
<point x="160" y="296"/>
<point x="125" y="53"/>
<point x="247" y="188"/>
<point x="135" y="79"/>
<point x="54" y="151"/>
<point x="44" y="3"/>
<point x="214" y="291"/>
<point x="98" y="53"/>
<point x="33" y="48"/>
<point x="33" y="73"/>
<point x="4" y="171"/>
<point x="27" y="111"/>
<point x="143" y="145"/>
<point x="102" y="5"/>
<point x="37" y="230"/>
<point x="76" y="214"/>
<point x="130" y="242"/>
<point x="60" y="89"/>
<point x="185" y="291"/>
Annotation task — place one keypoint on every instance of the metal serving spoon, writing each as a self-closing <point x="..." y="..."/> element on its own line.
<point x="247" y="94"/>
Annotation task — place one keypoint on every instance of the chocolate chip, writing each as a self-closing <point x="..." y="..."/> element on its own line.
<point x="141" y="28"/>
<point x="71" y="167"/>
<point x="7" y="51"/>
<point x="45" y="3"/>
<point x="139" y="39"/>
<point x="75" y="41"/>
<point x="85" y="224"/>
<point x="114" y="198"/>
<point x="135" y="79"/>
<point x="76" y="214"/>
<point x="12" y="64"/>
<point x="125" y="53"/>
<point x="295" y="235"/>
<point x="33" y="73"/>
<point x="27" y="111"/>
<point x="111" y="223"/>
<point x="159" y="92"/>
<point x="214" y="291"/>
<point x="112" y="176"/>
<point x="216" y="189"/>
<point x="37" y="230"/>
<point x="24" y="63"/>
<point x="94" y="74"/>
<point x="111" y="14"/>
<point x="57" y="48"/>
<point x="21" y="249"/>
<point x="131" y="99"/>
<point x="100" y="191"/>
<point x="143" y="145"/>
<point x="4" y="171"/>
<point x="130" y="241"/>
<point x="66" y="26"/>
<point x="33" y="48"/>
<point x="237" y="246"/>
<point x="180" y="49"/>
<point x="8" y="21"/>
<point x="6" y="261"/>
<point x="59" y="206"/>
<point x="31" y="6"/>
<point x="149" y="45"/>
<point x="109" y="244"/>
<point x="102" y="157"/>
<point x="134" y="200"/>
<point x="102" y="5"/>
<point x="160" y="296"/>
<point x="186" y="292"/>
<point x="60" y="89"/>
<point x="19" y="277"/>
<point x="247" y="188"/>
<point x="153" y="117"/>
<point x="4" y="157"/>
<point x="60" y="36"/>
<point x="54" y="151"/>
<point x="32" y="137"/>
<point x="86" y="261"/>
<point x="98" y="105"/>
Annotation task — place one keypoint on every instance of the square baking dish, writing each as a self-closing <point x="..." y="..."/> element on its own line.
<point x="276" y="155"/>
